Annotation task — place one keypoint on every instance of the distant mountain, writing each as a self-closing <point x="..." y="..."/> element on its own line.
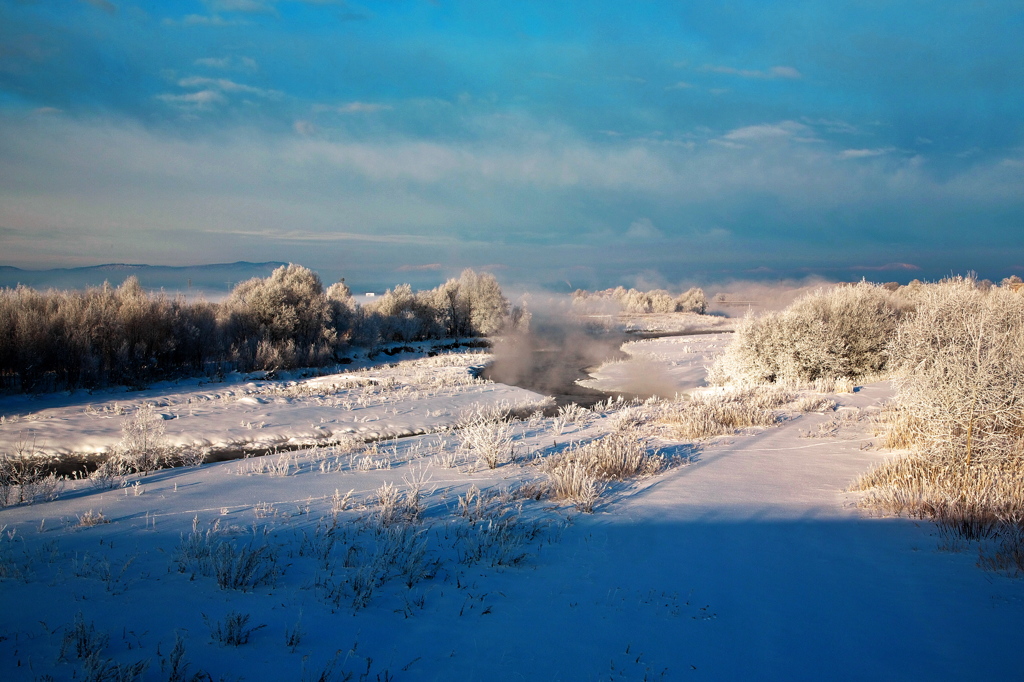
<point x="218" y="277"/>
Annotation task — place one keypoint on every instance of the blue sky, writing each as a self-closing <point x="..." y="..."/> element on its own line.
<point x="591" y="142"/>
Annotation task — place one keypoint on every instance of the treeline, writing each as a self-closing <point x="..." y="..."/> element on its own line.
<point x="635" y="301"/>
<point x="56" y="340"/>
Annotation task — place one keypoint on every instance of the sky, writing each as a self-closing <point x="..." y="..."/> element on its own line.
<point x="569" y="144"/>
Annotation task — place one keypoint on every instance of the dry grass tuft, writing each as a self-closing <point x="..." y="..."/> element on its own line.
<point x="490" y="441"/>
<point x="582" y="474"/>
<point x="91" y="518"/>
<point x="977" y="502"/>
<point x="715" y="414"/>
<point x="812" y="403"/>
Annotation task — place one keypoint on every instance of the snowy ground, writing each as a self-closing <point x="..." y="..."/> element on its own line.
<point x="382" y="401"/>
<point x="747" y="562"/>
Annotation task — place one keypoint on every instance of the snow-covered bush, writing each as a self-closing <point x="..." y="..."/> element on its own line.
<point x="692" y="300"/>
<point x="958" y="371"/>
<point x="57" y="339"/>
<point x="143" y="445"/>
<point x="491" y="442"/>
<point x="23" y="481"/>
<point x="236" y="568"/>
<point x="472" y="305"/>
<point x="839" y="332"/>
<point x="634" y="301"/>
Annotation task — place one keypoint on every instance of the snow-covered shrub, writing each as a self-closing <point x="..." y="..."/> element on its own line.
<point x="634" y="301"/>
<point x="958" y="372"/>
<point x="65" y="339"/>
<point x="394" y="506"/>
<point x="399" y="315"/>
<point x="143" y="447"/>
<point x="234" y="630"/>
<point x="238" y="568"/>
<point x="472" y="305"/>
<point x="491" y="442"/>
<point x="86" y="644"/>
<point x="692" y="301"/>
<point x="24" y="481"/>
<point x="573" y="480"/>
<point x="488" y="307"/>
<point x="344" y="311"/>
<point x="958" y="366"/>
<point x="813" y="403"/>
<point x="104" y="335"/>
<point x="493" y="529"/>
<point x="839" y="332"/>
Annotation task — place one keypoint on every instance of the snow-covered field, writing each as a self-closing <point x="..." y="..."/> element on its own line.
<point x="407" y="558"/>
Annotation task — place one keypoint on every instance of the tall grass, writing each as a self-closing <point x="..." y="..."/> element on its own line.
<point x="714" y="414"/>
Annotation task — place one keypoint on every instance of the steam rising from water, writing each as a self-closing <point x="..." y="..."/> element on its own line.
<point x="554" y="353"/>
<point x="560" y="346"/>
<point x="736" y="298"/>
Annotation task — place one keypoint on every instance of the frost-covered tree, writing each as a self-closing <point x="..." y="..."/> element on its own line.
<point x="488" y="307"/>
<point x="284" y="320"/>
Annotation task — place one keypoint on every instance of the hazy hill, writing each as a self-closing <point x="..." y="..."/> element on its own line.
<point x="215" y="277"/>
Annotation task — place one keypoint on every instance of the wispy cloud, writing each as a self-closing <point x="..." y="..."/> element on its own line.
<point x="787" y="72"/>
<point x="200" y="99"/>
<point x="680" y="85"/>
<point x="303" y="127"/>
<point x="228" y="63"/>
<point x="428" y="267"/>
<point x="865" y="153"/>
<point x="202" y="20"/>
<point x="337" y="236"/>
<point x="354" y="108"/>
<point x="522" y="183"/>
<point x="643" y="229"/>
<point x="767" y="131"/>
<point x="225" y="85"/>
<point x="887" y="266"/>
<point x="211" y="91"/>
<point x="833" y="125"/>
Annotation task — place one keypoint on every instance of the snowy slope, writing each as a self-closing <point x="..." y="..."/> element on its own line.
<point x="750" y="562"/>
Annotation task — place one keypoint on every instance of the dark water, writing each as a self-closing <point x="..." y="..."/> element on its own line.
<point x="551" y="361"/>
